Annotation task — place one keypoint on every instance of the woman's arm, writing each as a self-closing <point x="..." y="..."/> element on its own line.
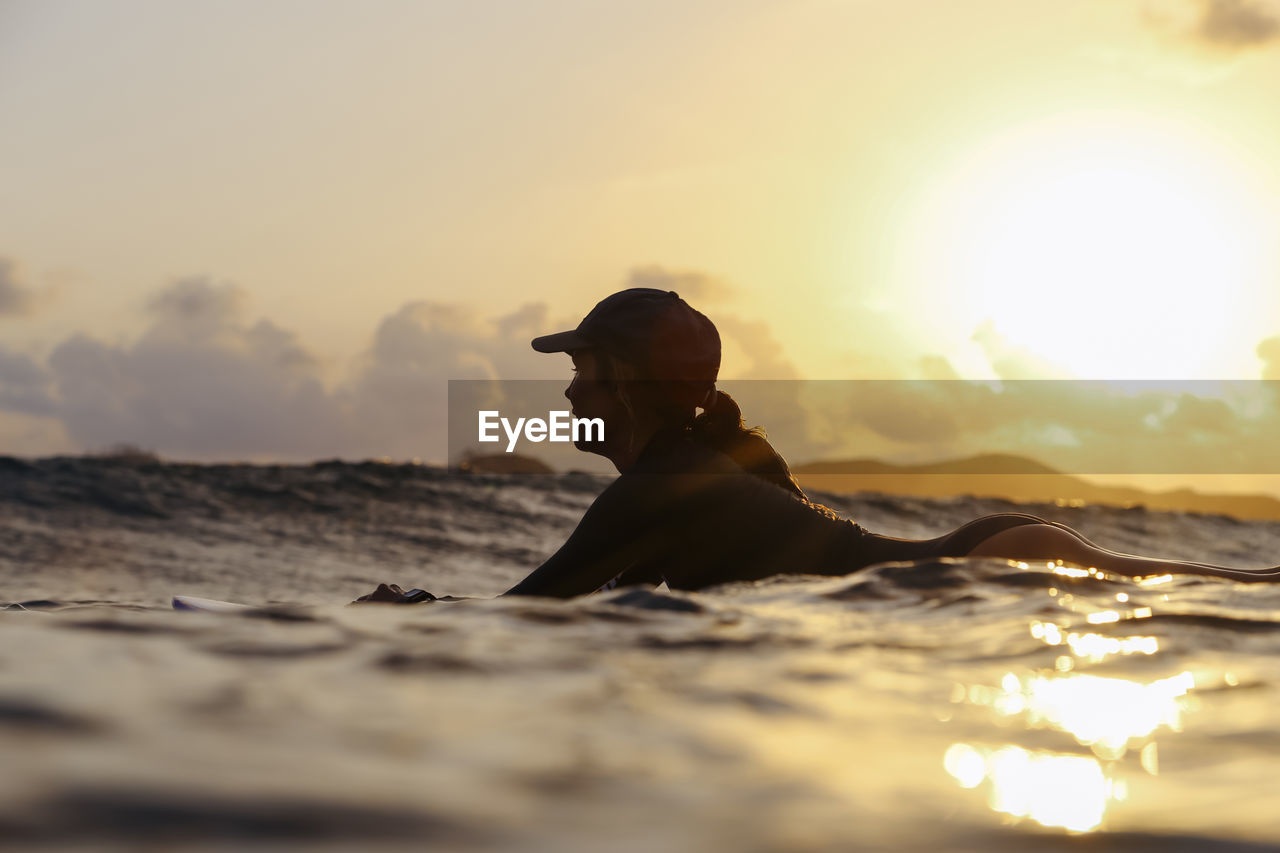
<point x="634" y="521"/>
<point x="619" y="529"/>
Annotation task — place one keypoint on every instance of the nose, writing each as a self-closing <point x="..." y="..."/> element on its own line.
<point x="568" y="391"/>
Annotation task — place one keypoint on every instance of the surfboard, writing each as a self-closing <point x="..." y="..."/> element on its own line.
<point x="207" y="605"/>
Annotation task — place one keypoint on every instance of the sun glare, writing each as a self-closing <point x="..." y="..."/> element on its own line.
<point x="1106" y="247"/>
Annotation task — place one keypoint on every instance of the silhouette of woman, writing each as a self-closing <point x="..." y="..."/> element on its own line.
<point x="702" y="500"/>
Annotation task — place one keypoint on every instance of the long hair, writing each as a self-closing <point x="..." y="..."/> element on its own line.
<point x="720" y="428"/>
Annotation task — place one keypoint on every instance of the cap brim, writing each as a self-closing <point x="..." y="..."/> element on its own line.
<point x="561" y="342"/>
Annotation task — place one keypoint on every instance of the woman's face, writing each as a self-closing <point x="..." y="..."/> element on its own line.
<point x="594" y="396"/>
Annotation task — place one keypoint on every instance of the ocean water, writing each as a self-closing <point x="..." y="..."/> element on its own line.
<point x="959" y="705"/>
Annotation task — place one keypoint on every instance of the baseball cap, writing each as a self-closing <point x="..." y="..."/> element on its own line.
<point x="653" y="329"/>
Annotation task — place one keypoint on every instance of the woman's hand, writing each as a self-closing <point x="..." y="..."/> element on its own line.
<point x="384" y="592"/>
<point x="393" y="594"/>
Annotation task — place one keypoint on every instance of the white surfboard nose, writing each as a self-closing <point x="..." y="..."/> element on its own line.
<point x="206" y="605"/>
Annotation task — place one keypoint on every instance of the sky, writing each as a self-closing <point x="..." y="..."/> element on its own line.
<point x="247" y="230"/>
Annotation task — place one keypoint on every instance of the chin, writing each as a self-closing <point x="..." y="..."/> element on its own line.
<point x="597" y="447"/>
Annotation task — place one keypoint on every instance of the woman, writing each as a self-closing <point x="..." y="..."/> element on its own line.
<point x="701" y="500"/>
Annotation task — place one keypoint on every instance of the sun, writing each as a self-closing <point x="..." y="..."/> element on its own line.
<point x="1102" y="245"/>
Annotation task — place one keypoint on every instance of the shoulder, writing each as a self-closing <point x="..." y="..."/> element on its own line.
<point x="675" y="452"/>
<point x="672" y="468"/>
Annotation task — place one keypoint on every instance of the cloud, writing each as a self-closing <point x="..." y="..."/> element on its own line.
<point x="25" y="385"/>
<point x="399" y="397"/>
<point x="772" y="395"/>
<point x="1194" y="42"/>
<point x="199" y="382"/>
<point x="197" y="307"/>
<point x="15" y="299"/>
<point x="206" y="381"/>
<point x="1235" y="25"/>
<point x="1078" y="426"/>
<point x="1222" y="27"/>
<point x="1014" y="362"/>
<point x="1269" y="351"/>
<point x="765" y="358"/>
<point x="692" y="286"/>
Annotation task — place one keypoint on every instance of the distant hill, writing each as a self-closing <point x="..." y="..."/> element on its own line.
<point x="985" y="463"/>
<point x="1014" y="478"/>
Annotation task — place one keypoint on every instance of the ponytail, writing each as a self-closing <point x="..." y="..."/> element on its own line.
<point x="721" y="428"/>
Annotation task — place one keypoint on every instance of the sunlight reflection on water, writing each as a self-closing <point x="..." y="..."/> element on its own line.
<point x="1068" y="791"/>
<point x="1102" y="712"/>
<point x="1106" y="714"/>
